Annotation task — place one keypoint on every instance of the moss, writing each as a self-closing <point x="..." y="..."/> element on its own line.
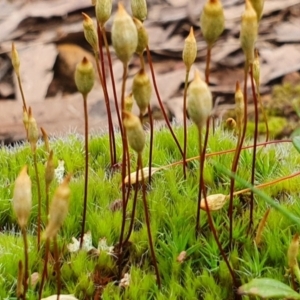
<point x="172" y="203"/>
<point x="277" y="125"/>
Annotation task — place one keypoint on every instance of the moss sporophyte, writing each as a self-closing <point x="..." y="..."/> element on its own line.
<point x="190" y="213"/>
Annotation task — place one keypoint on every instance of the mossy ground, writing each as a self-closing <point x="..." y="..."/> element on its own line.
<point x="172" y="203"/>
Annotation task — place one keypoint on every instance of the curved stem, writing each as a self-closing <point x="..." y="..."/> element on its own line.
<point x="237" y="156"/>
<point x="263" y="113"/>
<point x="26" y="265"/>
<point x="44" y="274"/>
<point x="207" y="67"/>
<point x="147" y="219"/>
<point x="86" y="170"/>
<point x="202" y="188"/>
<point x="142" y="61"/>
<point x="112" y="78"/>
<point x="47" y="201"/>
<point x="213" y="230"/>
<point x="201" y="178"/>
<point x="125" y="159"/>
<point x="22" y="92"/>
<point x="185" y="123"/>
<point x="20" y="285"/>
<point x="160" y="102"/>
<point x="134" y="202"/>
<point x="39" y="200"/>
<point x="57" y="267"/>
<point x="151" y="142"/>
<point x="254" y="147"/>
<point x="102" y="79"/>
<point x="197" y="228"/>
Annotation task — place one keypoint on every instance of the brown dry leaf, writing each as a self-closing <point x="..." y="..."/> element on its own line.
<point x="278" y="5"/>
<point x="61" y="297"/>
<point x="146" y="175"/>
<point x="181" y="257"/>
<point x="279" y="62"/>
<point x="36" y="63"/>
<point x="214" y="202"/>
<point x="288" y="31"/>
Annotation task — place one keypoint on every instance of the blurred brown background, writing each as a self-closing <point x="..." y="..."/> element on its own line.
<point x="49" y="38"/>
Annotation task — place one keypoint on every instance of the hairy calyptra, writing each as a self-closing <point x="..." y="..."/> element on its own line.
<point x="22" y="197"/>
<point x="124" y="35"/>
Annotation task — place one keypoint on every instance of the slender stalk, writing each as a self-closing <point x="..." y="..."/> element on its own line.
<point x="237" y="155"/>
<point x="202" y="151"/>
<point x="57" y="267"/>
<point x="254" y="146"/>
<point x="213" y="229"/>
<point x="125" y="160"/>
<point x="103" y="32"/>
<point x="207" y="66"/>
<point x="22" y="92"/>
<point x="142" y="61"/>
<point x="151" y="143"/>
<point x="110" y="126"/>
<point x="26" y="265"/>
<point x="39" y="200"/>
<point x="20" y="286"/>
<point x="47" y="201"/>
<point x="263" y="113"/>
<point x="102" y="78"/>
<point x="197" y="228"/>
<point x="160" y="102"/>
<point x="147" y="219"/>
<point x="134" y="202"/>
<point x="86" y="168"/>
<point x="185" y="123"/>
<point x="44" y="274"/>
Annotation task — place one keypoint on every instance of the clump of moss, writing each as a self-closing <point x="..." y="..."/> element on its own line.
<point x="285" y="100"/>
